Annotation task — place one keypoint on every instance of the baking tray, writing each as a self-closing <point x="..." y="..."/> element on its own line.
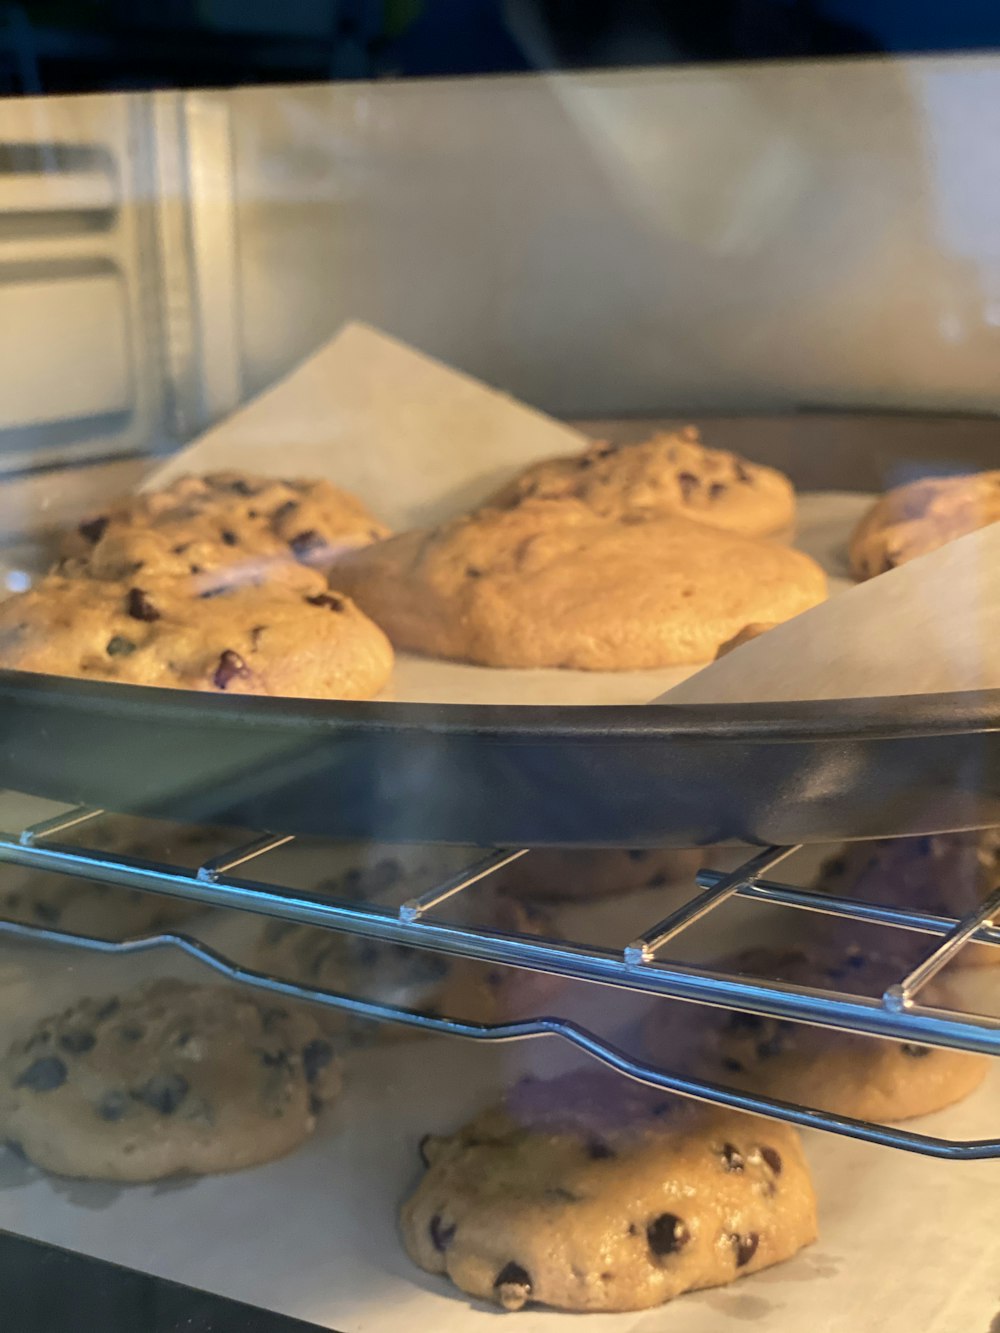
<point x="513" y="773"/>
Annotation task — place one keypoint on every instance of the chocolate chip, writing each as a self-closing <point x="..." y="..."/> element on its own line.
<point x="917" y="1052"/>
<point x="667" y="1234"/>
<point x="306" y="543"/>
<point x="732" y="1066"/>
<point x="745" y="1247"/>
<point x="179" y="550"/>
<point x="113" y="1106"/>
<point x="599" y="1151"/>
<point x="329" y="599"/>
<point x="231" y="666"/>
<point x="732" y="1158"/>
<point x="230" y="538"/>
<point x="471" y="572"/>
<point x="717" y="489"/>
<point x="688" y="483"/>
<point x="92" y="529"/>
<point x="743" y="473"/>
<point x="422" y="1149"/>
<point x="46" y="912"/>
<point x="139" y="607"/>
<point x="164" y="1092"/>
<point x="773" y="1158"/>
<point x="182" y="1039"/>
<point x="316" y="1055"/>
<point x="132" y="1032"/>
<point x="241" y="487"/>
<point x="108" y="1008"/>
<point x="255" y="634"/>
<point x="441" y="1235"/>
<point x="772" y="1046"/>
<point x="77" y="1041"/>
<point x="283" y="511"/>
<point x="512" y="1286"/>
<point x="119" y="646"/>
<point x="270" y="1018"/>
<point x="44" y="1075"/>
<point x="217" y="591"/>
<point x="273" y="1059"/>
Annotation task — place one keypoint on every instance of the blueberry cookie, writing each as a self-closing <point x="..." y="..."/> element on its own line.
<point x="250" y="526"/>
<point x="165" y="1079"/>
<point x="865" y="1077"/>
<point x="553" y="874"/>
<point x="547" y="583"/>
<point x="671" y="473"/>
<point x="421" y="979"/>
<point x="241" y="640"/>
<point x="588" y="1193"/>
<point x="911" y="520"/>
<point x="949" y="874"/>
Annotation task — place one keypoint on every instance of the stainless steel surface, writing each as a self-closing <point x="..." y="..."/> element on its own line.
<point x="963" y="931"/>
<point x="210" y="884"/>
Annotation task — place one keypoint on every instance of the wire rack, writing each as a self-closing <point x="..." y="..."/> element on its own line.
<point x="221" y="882"/>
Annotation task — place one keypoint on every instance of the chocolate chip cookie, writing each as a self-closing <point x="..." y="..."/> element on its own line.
<point x="552" y="874"/>
<point x="589" y="1193"/>
<point x="421" y="979"/>
<point x="240" y="640"/>
<point x="843" y="1073"/>
<point x="243" y="526"/>
<point x="165" y="1079"/>
<point x="948" y="874"/>
<point x="671" y="473"/>
<point x="547" y="583"/>
<point x="911" y="520"/>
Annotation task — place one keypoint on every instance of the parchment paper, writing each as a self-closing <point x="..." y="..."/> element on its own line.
<point x="419" y="442"/>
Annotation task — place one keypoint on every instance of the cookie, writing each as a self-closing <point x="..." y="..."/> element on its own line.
<point x="553" y="874"/>
<point x="246" y="524"/>
<point x="243" y="640"/>
<point x="590" y="1193"/>
<point x="109" y="911"/>
<point x="911" y="520"/>
<point x="671" y="473"/>
<point x="867" y="1078"/>
<point x="165" y="1079"/>
<point x="549" y="584"/>
<point x="948" y="874"/>
<point x="432" y="983"/>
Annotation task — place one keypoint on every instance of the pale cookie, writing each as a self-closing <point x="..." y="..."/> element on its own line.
<point x="948" y="874"/>
<point x="911" y="520"/>
<point x="671" y="473"/>
<point x="166" y="1079"/>
<point x="247" y="524"/>
<point x="865" y="1077"/>
<point x="244" y="640"/>
<point x="548" y="584"/>
<point x="431" y="983"/>
<point x="554" y="874"/>
<point x="590" y="1193"/>
<point x="109" y="911"/>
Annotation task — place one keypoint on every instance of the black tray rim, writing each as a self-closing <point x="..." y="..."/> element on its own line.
<point x="881" y="717"/>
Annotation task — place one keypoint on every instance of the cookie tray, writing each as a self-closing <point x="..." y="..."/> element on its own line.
<point x="510" y="776"/>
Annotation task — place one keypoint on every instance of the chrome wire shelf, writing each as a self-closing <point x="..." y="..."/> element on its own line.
<point x="897" y="1014"/>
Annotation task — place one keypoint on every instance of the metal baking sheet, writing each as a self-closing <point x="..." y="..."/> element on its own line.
<point x="905" y="1243"/>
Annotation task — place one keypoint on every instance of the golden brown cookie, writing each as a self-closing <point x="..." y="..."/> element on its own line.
<point x="914" y="519"/>
<point x="248" y="526"/>
<point x="165" y="1079"/>
<point x="590" y="1193"/>
<point x="671" y="473"/>
<point x="548" y="584"/>
<point x="553" y="874"/>
<point x="868" y="1078"/>
<point x="245" y="640"/>
<point x="948" y="874"/>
